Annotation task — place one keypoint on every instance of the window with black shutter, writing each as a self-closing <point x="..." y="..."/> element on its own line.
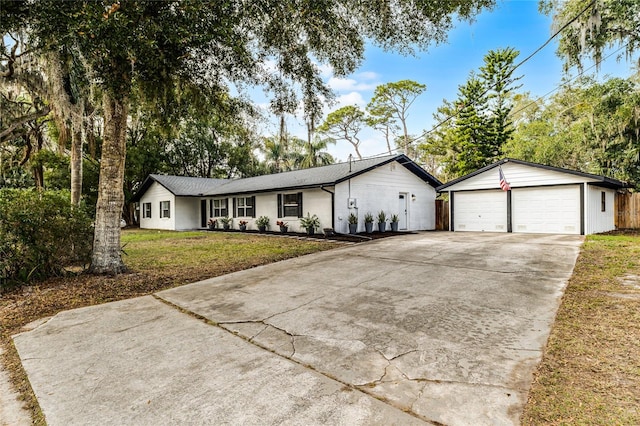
<point x="290" y="205"/>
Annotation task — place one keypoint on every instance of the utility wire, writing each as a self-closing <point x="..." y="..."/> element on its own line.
<point x="519" y="64"/>
<point x="580" y="74"/>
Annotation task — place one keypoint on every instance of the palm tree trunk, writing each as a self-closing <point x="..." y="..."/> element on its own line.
<point x="106" y="257"/>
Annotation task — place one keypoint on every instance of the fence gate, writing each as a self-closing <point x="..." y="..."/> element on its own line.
<point x="442" y="215"/>
<point x="627" y="210"/>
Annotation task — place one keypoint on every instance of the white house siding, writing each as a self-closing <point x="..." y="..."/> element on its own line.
<point x="314" y="201"/>
<point x="154" y="195"/>
<point x="518" y="175"/>
<point x="378" y="190"/>
<point x="187" y="213"/>
<point x="597" y="220"/>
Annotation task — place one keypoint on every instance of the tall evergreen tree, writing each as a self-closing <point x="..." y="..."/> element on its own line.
<point x="475" y="127"/>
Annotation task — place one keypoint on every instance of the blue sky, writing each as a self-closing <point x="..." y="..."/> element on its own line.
<point x="513" y="23"/>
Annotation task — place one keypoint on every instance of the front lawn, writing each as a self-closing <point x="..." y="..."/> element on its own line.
<point x="158" y="260"/>
<point x="590" y="372"/>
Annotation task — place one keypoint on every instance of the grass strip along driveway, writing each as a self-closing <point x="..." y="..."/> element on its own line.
<point x="158" y="260"/>
<point x="590" y="373"/>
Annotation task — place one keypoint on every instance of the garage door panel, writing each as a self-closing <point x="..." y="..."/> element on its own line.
<point x="480" y="211"/>
<point x="551" y="210"/>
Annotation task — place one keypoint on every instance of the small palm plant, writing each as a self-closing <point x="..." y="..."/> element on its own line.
<point x="382" y="221"/>
<point x="310" y="223"/>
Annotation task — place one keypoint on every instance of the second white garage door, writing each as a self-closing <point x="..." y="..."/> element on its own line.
<point x="480" y="211"/>
<point x="549" y="210"/>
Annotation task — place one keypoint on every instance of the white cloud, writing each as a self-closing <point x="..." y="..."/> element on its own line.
<point x="368" y="75"/>
<point x="351" y="98"/>
<point x="349" y="84"/>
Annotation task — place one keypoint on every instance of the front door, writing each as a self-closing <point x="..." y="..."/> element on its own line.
<point x="403" y="212"/>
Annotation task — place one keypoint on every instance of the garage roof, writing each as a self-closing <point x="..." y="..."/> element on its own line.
<point x="597" y="179"/>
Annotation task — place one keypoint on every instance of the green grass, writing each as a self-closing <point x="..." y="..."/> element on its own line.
<point x="590" y="372"/>
<point x="217" y="252"/>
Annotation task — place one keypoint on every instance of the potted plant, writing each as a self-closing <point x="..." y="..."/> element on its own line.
<point x="382" y="221"/>
<point x="263" y="223"/>
<point x="394" y="222"/>
<point x="368" y="222"/>
<point x="226" y="222"/>
<point x="242" y="225"/>
<point x="284" y="226"/>
<point x="213" y="224"/>
<point x="353" y="223"/>
<point x="310" y="223"/>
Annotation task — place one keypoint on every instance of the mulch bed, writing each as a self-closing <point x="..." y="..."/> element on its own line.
<point x="346" y="238"/>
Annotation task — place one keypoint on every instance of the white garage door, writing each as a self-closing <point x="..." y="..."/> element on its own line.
<point x="549" y="210"/>
<point x="480" y="211"/>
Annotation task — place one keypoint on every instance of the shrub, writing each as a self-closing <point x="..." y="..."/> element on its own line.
<point x="40" y="235"/>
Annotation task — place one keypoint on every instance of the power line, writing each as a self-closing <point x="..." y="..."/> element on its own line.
<point x="450" y="117"/>
<point x="580" y="74"/>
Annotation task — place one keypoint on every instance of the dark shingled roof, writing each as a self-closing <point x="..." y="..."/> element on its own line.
<point x="298" y="179"/>
<point x="180" y="185"/>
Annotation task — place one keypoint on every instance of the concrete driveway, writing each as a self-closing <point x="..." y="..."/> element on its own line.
<point x="433" y="327"/>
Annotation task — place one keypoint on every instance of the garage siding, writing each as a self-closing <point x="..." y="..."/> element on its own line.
<point x="543" y="200"/>
<point x="599" y="219"/>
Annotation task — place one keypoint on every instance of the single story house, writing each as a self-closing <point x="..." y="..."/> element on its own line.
<point x="393" y="183"/>
<point x="536" y="199"/>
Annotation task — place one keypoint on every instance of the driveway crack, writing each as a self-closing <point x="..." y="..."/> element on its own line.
<point x="293" y="309"/>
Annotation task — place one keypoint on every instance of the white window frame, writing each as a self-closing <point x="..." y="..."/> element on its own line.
<point x="146" y="210"/>
<point x="242" y="205"/>
<point x="220" y="211"/>
<point x="165" y="209"/>
<point x="290" y="205"/>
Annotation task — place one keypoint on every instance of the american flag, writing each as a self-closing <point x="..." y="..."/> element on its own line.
<point x="503" y="181"/>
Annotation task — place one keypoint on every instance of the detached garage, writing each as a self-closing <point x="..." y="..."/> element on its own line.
<point x="531" y="198"/>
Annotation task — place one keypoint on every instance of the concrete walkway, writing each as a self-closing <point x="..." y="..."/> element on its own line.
<point x="435" y="327"/>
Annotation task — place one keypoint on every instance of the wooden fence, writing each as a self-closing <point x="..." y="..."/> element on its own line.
<point x="627" y="210"/>
<point x="442" y="215"/>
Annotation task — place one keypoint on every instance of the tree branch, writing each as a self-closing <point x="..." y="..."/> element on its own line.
<point x="22" y="120"/>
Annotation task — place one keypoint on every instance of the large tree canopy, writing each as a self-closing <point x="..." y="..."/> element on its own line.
<point x="152" y="46"/>
<point x="588" y="126"/>
<point x="604" y="24"/>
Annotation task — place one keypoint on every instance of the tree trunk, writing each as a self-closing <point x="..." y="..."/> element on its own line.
<point x="77" y="137"/>
<point x="106" y="257"/>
